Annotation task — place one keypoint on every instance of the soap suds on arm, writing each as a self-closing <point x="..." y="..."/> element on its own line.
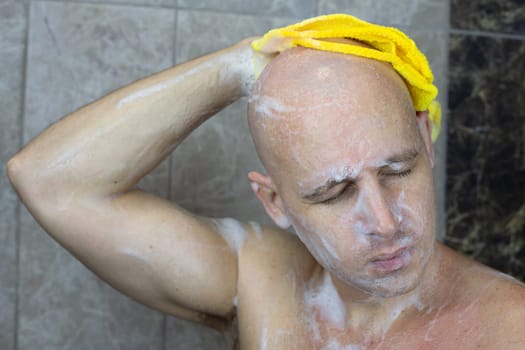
<point x="231" y="230"/>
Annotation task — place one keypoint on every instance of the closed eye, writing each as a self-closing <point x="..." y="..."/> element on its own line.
<point x="346" y="190"/>
<point x="401" y="173"/>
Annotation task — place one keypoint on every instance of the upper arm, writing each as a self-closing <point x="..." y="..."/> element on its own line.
<point x="148" y="248"/>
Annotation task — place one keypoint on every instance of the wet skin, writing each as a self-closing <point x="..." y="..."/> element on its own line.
<point x="362" y="205"/>
<point x="349" y="169"/>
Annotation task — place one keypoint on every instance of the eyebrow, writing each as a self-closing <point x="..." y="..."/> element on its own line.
<point x="402" y="157"/>
<point x="325" y="187"/>
<point x="406" y="156"/>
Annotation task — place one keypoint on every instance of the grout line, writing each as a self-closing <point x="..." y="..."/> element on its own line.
<point x="18" y="214"/>
<point x="442" y="208"/>
<point x="109" y="3"/>
<point x="175" y="23"/>
<point x="164" y="333"/>
<point x="481" y="33"/>
<point x="173" y="63"/>
<point x="240" y="13"/>
<point x="175" y="6"/>
<point x="18" y="210"/>
<point x="314" y="8"/>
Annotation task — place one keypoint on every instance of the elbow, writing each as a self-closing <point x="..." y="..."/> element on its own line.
<point x="17" y="177"/>
<point x="24" y="178"/>
<point x="13" y="170"/>
<point x="35" y="185"/>
<point x="34" y="194"/>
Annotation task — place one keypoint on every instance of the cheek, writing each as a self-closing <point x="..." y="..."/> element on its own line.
<point x="415" y="209"/>
<point x="313" y="233"/>
<point x="331" y="238"/>
<point x="321" y="248"/>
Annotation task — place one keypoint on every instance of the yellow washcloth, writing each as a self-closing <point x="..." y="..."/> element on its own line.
<point x="388" y="45"/>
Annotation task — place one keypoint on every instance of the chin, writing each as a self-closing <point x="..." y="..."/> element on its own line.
<point x="386" y="287"/>
<point x="393" y="287"/>
<point x="394" y="284"/>
<point x="399" y="282"/>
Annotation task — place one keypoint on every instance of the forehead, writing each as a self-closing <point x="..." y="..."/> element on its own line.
<point x="329" y="110"/>
<point x="335" y="146"/>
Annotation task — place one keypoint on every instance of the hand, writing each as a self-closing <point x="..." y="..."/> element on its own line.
<point x="254" y="62"/>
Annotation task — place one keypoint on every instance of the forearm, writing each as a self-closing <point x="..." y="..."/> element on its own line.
<point x="107" y="146"/>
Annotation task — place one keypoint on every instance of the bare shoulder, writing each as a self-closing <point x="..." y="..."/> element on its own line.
<point x="496" y="302"/>
<point x="263" y="248"/>
<point x="269" y="245"/>
<point x="270" y="253"/>
<point x="506" y="312"/>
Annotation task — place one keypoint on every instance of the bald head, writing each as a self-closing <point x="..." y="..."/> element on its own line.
<point x="303" y="91"/>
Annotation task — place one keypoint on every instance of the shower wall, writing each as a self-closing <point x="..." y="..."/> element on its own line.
<point x="486" y="138"/>
<point x="56" y="56"/>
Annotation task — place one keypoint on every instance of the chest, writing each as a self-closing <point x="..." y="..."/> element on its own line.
<point x="296" y="327"/>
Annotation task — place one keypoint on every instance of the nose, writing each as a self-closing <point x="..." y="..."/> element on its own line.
<point x="376" y="212"/>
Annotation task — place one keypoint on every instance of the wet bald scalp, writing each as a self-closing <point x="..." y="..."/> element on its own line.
<point x="289" y="97"/>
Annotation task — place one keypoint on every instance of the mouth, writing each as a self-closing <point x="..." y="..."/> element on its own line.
<point x="390" y="262"/>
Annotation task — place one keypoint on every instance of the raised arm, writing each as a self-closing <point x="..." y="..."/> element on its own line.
<point x="77" y="180"/>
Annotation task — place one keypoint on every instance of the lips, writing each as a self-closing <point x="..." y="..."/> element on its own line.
<point x="390" y="262"/>
<point x="388" y="256"/>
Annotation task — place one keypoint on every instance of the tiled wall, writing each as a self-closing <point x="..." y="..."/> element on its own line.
<point x="58" y="55"/>
<point x="486" y="148"/>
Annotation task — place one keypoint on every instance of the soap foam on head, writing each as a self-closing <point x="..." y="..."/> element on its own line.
<point x="270" y="107"/>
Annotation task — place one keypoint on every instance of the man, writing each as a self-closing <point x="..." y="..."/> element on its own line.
<point x="348" y="163"/>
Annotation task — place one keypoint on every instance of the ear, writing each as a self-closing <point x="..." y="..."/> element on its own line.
<point x="425" y="128"/>
<point x="265" y="190"/>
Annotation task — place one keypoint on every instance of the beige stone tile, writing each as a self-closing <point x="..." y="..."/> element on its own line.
<point x="153" y="3"/>
<point x="77" y="53"/>
<point x="282" y="8"/>
<point x="12" y="44"/>
<point x="217" y="157"/>
<point x="65" y="306"/>
<point x="210" y="168"/>
<point x="201" y="32"/>
<point x="80" y="52"/>
<point x="423" y="14"/>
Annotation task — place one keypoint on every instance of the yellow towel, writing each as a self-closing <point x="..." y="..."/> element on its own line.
<point x="388" y="45"/>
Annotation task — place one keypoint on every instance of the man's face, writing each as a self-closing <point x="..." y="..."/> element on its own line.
<point x="354" y="176"/>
